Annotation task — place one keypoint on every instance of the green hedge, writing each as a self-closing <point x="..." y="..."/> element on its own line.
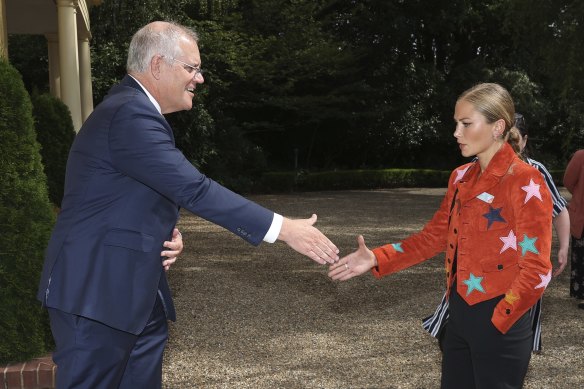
<point x="26" y="218"/>
<point x="361" y="179"/>
<point x="55" y="133"/>
<point x="352" y="179"/>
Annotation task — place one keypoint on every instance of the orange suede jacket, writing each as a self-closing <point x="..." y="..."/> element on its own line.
<point x="498" y="226"/>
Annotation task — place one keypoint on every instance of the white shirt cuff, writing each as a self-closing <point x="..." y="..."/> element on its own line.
<point x="275" y="228"/>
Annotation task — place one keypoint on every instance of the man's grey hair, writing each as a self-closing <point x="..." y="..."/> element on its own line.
<point x="150" y="41"/>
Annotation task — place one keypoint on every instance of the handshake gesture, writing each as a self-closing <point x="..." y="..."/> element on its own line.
<point x="302" y="236"/>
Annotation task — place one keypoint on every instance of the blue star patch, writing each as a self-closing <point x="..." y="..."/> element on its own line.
<point x="528" y="244"/>
<point x="397" y="247"/>
<point x="494" y="215"/>
<point x="474" y="283"/>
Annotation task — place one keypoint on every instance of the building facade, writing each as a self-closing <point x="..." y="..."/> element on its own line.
<point x="65" y="25"/>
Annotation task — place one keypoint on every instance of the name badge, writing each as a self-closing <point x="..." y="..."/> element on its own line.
<point x="486" y="197"/>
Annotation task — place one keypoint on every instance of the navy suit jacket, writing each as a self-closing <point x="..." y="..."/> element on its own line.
<point x="124" y="186"/>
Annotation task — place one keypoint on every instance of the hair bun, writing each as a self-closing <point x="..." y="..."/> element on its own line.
<point x="514" y="139"/>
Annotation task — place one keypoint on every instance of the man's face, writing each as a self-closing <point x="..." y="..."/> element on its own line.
<point x="179" y="79"/>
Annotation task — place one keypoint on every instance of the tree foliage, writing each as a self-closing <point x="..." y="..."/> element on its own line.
<point x="345" y="84"/>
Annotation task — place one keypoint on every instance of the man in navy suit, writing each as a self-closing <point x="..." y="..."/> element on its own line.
<point x="103" y="280"/>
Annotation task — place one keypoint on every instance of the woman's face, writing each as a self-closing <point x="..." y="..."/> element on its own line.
<point x="474" y="135"/>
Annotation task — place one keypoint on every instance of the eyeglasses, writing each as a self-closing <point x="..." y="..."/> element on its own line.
<point x="194" y="70"/>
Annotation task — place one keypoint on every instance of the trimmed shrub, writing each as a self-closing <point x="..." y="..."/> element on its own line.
<point x="26" y="218"/>
<point x="55" y="133"/>
<point x="277" y="182"/>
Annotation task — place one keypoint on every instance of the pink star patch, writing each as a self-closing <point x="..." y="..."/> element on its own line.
<point x="459" y="174"/>
<point x="532" y="190"/>
<point x="509" y="242"/>
<point x="545" y="280"/>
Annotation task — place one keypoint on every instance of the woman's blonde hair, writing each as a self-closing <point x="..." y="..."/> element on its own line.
<point x="495" y="103"/>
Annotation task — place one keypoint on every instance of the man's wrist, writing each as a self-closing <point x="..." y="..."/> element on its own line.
<point x="275" y="228"/>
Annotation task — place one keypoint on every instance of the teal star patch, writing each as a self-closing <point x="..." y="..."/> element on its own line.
<point x="474" y="283"/>
<point x="528" y="244"/>
<point x="494" y="215"/>
<point x="397" y="247"/>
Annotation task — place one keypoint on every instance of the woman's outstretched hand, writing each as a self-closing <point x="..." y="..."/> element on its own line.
<point x="354" y="264"/>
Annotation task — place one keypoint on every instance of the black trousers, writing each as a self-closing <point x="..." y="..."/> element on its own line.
<point x="577" y="268"/>
<point x="476" y="355"/>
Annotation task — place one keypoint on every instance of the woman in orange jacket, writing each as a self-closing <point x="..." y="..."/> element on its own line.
<point x="436" y="322"/>
<point x="494" y="224"/>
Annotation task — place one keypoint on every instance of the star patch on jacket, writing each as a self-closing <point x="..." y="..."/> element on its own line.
<point x="509" y="242"/>
<point x="494" y="215"/>
<point x="531" y="190"/>
<point x="397" y="247"/>
<point x="545" y="280"/>
<point x="528" y="244"/>
<point x="474" y="283"/>
<point x="459" y="174"/>
<point x="510" y="297"/>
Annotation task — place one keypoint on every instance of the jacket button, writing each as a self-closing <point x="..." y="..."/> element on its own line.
<point x="451" y="246"/>
<point x="449" y="260"/>
<point x="508" y="311"/>
<point x="455" y="231"/>
<point x="500" y="267"/>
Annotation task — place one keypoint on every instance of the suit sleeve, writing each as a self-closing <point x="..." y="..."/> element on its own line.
<point x="532" y="204"/>
<point x="141" y="146"/>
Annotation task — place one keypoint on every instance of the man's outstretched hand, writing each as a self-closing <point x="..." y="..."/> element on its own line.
<point x="302" y="236"/>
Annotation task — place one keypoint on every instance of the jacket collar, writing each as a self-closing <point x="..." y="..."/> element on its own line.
<point x="131" y="82"/>
<point x="474" y="183"/>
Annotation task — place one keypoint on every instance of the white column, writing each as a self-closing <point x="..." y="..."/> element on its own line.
<point x="3" y="30"/>
<point x="85" y="78"/>
<point x="54" y="69"/>
<point x="68" y="59"/>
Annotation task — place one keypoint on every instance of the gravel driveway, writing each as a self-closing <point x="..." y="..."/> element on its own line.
<point x="267" y="317"/>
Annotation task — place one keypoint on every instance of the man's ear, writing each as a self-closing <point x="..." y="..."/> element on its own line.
<point x="156" y="64"/>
